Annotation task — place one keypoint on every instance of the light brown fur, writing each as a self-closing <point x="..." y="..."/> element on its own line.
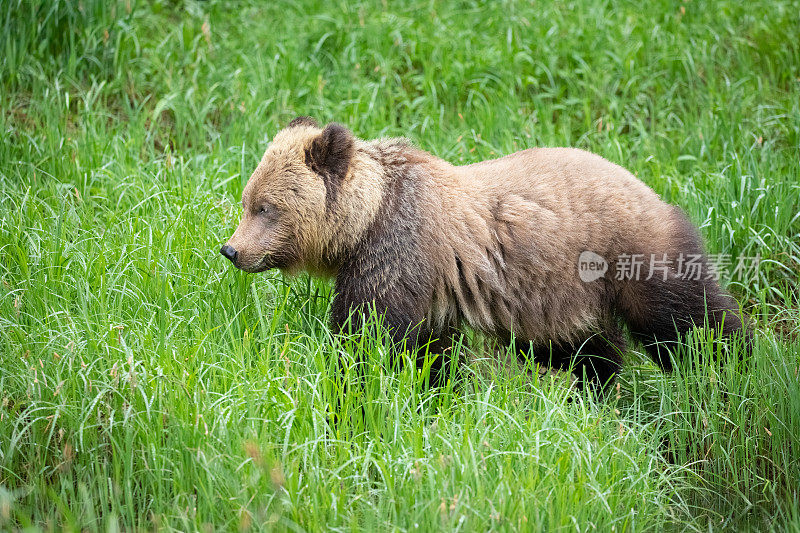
<point x="542" y="206"/>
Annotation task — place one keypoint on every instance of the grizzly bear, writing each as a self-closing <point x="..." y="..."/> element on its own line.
<point x="555" y="248"/>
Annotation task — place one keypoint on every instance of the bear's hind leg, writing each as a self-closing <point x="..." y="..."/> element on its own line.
<point x="594" y="361"/>
<point x="665" y="311"/>
<point x="599" y="358"/>
<point x="662" y="309"/>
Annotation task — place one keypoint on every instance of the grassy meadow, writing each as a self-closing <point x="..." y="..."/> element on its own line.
<point x="146" y="384"/>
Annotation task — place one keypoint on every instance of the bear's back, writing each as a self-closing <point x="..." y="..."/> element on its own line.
<point x="517" y="226"/>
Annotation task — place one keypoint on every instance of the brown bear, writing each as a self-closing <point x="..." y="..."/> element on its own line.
<point x="553" y="247"/>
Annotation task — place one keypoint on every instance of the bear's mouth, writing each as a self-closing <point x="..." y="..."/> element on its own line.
<point x="261" y="266"/>
<point x="265" y="263"/>
<point x="283" y="257"/>
<point x="278" y="260"/>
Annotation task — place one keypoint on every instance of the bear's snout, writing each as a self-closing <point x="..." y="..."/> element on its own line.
<point x="229" y="251"/>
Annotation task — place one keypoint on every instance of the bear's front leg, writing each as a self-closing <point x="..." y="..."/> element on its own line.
<point x="401" y="316"/>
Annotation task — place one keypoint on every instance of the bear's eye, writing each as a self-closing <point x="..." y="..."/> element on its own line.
<point x="266" y="210"/>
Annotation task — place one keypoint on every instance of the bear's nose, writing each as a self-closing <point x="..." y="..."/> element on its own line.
<point x="228" y="251"/>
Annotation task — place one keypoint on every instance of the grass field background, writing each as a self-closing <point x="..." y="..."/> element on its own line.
<point x="147" y="384"/>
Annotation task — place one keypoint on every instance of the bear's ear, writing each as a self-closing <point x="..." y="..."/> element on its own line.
<point x="330" y="152"/>
<point x="302" y="121"/>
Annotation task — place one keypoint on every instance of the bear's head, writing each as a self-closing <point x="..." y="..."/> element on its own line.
<point x="288" y="201"/>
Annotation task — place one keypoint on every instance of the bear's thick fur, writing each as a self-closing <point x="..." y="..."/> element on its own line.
<point x="516" y="244"/>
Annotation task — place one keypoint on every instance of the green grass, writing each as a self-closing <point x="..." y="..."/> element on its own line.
<point x="146" y="384"/>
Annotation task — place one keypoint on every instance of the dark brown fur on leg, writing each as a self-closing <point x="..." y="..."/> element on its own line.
<point x="660" y="312"/>
<point x="594" y="361"/>
<point x="416" y="339"/>
<point x="439" y="353"/>
<point x="674" y="307"/>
